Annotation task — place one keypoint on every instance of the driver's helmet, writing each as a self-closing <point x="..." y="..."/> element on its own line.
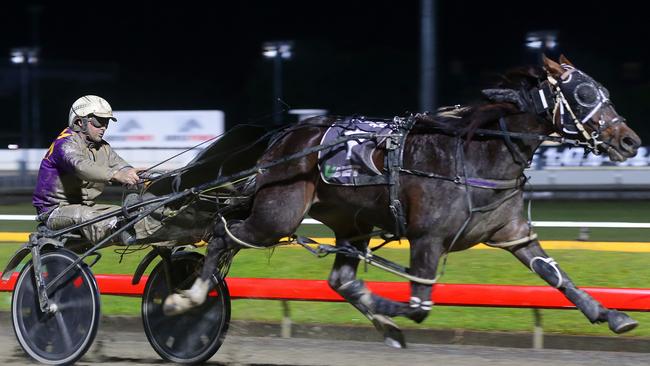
<point x="87" y="105"/>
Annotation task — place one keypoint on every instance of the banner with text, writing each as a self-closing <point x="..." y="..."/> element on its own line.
<point x="164" y="129"/>
<point x="551" y="157"/>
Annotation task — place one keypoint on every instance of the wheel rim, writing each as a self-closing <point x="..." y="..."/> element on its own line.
<point x="193" y="336"/>
<point x="64" y="336"/>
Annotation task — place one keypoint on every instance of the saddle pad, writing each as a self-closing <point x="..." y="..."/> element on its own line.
<point x="350" y="163"/>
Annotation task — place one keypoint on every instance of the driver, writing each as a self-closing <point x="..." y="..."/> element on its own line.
<point x="75" y="170"/>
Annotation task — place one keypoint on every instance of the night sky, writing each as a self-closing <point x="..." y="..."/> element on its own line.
<point x="350" y="57"/>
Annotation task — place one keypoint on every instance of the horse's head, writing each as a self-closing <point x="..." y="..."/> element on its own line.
<point x="581" y="107"/>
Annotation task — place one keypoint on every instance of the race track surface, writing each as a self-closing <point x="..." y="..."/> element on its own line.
<point x="132" y="348"/>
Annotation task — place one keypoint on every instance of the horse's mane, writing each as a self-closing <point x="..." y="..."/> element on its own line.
<point x="464" y="120"/>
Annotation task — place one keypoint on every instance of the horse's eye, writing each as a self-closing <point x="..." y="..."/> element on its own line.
<point x="586" y="95"/>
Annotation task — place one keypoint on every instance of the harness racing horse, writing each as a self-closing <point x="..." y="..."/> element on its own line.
<point x="460" y="183"/>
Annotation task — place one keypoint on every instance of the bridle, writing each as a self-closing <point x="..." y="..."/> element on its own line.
<point x="572" y="102"/>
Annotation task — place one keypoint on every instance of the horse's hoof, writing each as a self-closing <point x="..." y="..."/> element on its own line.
<point x="620" y="322"/>
<point x="394" y="343"/>
<point x="393" y="336"/>
<point x="176" y="304"/>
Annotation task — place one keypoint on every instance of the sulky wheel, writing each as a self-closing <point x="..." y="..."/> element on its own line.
<point x="64" y="335"/>
<point x="196" y="335"/>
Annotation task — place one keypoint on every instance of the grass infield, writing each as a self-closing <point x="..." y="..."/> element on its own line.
<point x="586" y="267"/>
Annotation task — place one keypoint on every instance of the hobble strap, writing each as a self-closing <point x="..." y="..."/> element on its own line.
<point x="546" y="269"/>
<point x="512" y="243"/>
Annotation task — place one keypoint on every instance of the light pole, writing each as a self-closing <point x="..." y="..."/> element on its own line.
<point x="24" y="57"/>
<point x="278" y="51"/>
<point x="428" y="76"/>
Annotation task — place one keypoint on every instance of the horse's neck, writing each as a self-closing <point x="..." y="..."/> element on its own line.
<point x="509" y="159"/>
<point x="481" y="157"/>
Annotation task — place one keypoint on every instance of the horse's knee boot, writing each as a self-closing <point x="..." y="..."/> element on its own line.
<point x="548" y="270"/>
<point x="357" y="293"/>
<point x="388" y="307"/>
<point x="620" y="322"/>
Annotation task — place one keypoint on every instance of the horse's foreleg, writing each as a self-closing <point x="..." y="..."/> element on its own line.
<point x="533" y="256"/>
<point x="425" y="255"/>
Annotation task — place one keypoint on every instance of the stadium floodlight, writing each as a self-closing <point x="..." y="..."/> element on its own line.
<point x="24" y="55"/>
<point x="277" y="51"/>
<point x="542" y="40"/>
<point x="277" y="48"/>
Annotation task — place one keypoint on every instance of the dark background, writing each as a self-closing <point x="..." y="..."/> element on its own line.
<point x="349" y="56"/>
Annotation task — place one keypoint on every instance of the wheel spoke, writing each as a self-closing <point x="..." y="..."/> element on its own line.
<point x="75" y="305"/>
<point x="64" y="330"/>
<point x="35" y="330"/>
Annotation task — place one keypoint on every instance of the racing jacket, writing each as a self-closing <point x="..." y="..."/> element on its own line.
<point x="74" y="171"/>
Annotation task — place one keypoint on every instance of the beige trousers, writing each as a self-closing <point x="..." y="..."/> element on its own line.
<point x="64" y="216"/>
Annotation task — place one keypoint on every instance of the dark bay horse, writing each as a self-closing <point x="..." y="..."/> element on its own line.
<point x="442" y="214"/>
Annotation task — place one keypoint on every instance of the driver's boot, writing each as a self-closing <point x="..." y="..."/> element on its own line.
<point x="127" y="238"/>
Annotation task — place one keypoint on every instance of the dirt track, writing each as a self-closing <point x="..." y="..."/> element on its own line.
<point x="132" y="348"/>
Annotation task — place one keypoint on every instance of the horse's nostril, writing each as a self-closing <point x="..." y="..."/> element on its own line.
<point x="629" y="142"/>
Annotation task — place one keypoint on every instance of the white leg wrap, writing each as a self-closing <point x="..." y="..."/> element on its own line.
<point x="415" y="302"/>
<point x="186" y="299"/>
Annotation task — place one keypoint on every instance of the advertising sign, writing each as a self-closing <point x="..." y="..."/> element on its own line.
<point x="164" y="129"/>
<point x="552" y="157"/>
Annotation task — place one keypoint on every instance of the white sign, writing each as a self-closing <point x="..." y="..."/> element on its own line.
<point x="552" y="157"/>
<point x="169" y="129"/>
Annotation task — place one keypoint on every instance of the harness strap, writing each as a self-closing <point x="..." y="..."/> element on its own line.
<point x="512" y="243"/>
<point x="395" y="146"/>
<point x="497" y="184"/>
<point x="495" y="204"/>
<point x="511" y="146"/>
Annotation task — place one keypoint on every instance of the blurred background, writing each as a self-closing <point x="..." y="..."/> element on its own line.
<point x="233" y="61"/>
<point x="346" y="57"/>
<point x="236" y="59"/>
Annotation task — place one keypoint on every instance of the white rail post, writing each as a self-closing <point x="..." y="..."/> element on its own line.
<point x="285" y="330"/>
<point x="538" y="331"/>
<point x="583" y="235"/>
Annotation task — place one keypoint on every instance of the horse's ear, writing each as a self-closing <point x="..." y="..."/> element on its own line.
<point x="552" y="67"/>
<point x="564" y="60"/>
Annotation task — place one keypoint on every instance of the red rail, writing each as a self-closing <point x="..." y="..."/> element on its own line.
<point x="631" y="299"/>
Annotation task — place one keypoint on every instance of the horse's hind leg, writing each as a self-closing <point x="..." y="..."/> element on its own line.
<point x="533" y="256"/>
<point x="276" y="213"/>
<point x="343" y="280"/>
